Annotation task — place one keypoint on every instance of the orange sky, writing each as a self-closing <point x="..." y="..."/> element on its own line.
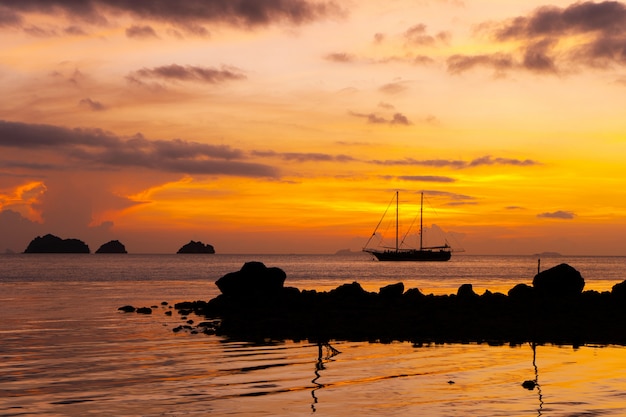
<point x="273" y="126"/>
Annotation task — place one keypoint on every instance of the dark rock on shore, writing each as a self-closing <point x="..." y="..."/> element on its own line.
<point x="254" y="278"/>
<point x="255" y="304"/>
<point x="559" y="281"/>
<point x="54" y="244"/>
<point x="196" y="247"/>
<point x="114" y="246"/>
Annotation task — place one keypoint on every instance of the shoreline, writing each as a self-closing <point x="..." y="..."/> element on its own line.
<point x="254" y="305"/>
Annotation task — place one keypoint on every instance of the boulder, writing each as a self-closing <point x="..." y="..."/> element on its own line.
<point x="521" y="292"/>
<point x="392" y="291"/>
<point x="114" y="246"/>
<point x="559" y="282"/>
<point x="196" y="247"/>
<point x="466" y="291"/>
<point x="254" y="278"/>
<point x="54" y="244"/>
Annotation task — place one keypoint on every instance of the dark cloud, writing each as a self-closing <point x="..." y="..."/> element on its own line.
<point x="552" y="39"/>
<point x="564" y="215"/>
<point x="488" y="160"/>
<point x="8" y="17"/>
<point x="141" y="32"/>
<point x="95" y="148"/>
<point x="426" y="178"/>
<point x="92" y="105"/>
<point x="304" y="156"/>
<point x="417" y="35"/>
<point x="396" y="119"/>
<point x="341" y="57"/>
<point x="498" y="61"/>
<point x="457" y="164"/>
<point x="235" y="12"/>
<point x="175" y="72"/>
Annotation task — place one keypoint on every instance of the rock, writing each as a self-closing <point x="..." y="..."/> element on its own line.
<point x="127" y="309"/>
<point x="466" y="291"/>
<point x="254" y="278"/>
<point x="114" y="246"/>
<point x="521" y="292"/>
<point x="196" y="247"/>
<point x="619" y="291"/>
<point x="54" y="244"/>
<point x="392" y="291"/>
<point x="558" y="282"/>
<point x="144" y="310"/>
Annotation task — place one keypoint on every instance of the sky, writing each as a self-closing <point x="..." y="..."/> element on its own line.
<point x="286" y="126"/>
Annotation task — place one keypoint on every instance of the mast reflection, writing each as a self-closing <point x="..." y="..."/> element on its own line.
<point x="319" y="365"/>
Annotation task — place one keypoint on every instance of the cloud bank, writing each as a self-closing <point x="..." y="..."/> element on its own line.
<point x="246" y="13"/>
<point x="96" y="148"/>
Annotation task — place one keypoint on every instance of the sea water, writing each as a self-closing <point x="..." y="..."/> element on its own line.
<point x="65" y="350"/>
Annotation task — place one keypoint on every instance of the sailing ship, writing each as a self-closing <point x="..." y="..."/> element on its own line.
<point x="422" y="254"/>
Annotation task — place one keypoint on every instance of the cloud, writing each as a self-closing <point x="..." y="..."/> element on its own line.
<point x="560" y="214"/>
<point x="175" y="72"/>
<point x="426" y="178"/>
<point x="454" y="163"/>
<point x="91" y="104"/>
<point x="396" y="119"/>
<point x="393" y="88"/>
<point x="246" y="13"/>
<point x="98" y="149"/>
<point x="9" y="17"/>
<point x="304" y="156"/>
<point x="341" y="57"/>
<point x="417" y="35"/>
<point x="453" y="199"/>
<point x="141" y="32"/>
<point x="552" y="39"/>
<point x="499" y="62"/>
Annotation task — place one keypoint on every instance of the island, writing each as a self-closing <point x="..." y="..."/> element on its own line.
<point x="54" y="244"/>
<point x="255" y="305"/>
<point x="114" y="246"/>
<point x="196" y="247"/>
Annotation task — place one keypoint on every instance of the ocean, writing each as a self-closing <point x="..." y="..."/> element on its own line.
<point x="65" y="349"/>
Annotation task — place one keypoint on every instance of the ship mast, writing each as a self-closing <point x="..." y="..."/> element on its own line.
<point x="421" y="212"/>
<point x="397" y="215"/>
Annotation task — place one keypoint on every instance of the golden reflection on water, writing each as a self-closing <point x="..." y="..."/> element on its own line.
<point x="69" y="355"/>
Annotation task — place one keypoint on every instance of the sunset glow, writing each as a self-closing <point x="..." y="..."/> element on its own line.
<point x="285" y="126"/>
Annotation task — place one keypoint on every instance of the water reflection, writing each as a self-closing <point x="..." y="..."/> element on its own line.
<point x="531" y="384"/>
<point x="319" y="366"/>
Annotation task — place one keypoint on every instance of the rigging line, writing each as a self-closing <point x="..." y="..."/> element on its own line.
<point x="378" y="225"/>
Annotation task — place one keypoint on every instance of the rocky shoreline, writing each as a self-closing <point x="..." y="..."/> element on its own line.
<point x="254" y="304"/>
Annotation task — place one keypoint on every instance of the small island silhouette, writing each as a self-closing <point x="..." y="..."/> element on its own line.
<point x="114" y="246"/>
<point x="54" y="244"/>
<point x="196" y="247"/>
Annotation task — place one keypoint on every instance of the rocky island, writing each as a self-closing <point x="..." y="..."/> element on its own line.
<point x="54" y="244"/>
<point x="196" y="247"/>
<point x="254" y="304"/>
<point x="114" y="246"/>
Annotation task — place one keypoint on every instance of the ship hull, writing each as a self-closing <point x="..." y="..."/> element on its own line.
<point x="412" y="255"/>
